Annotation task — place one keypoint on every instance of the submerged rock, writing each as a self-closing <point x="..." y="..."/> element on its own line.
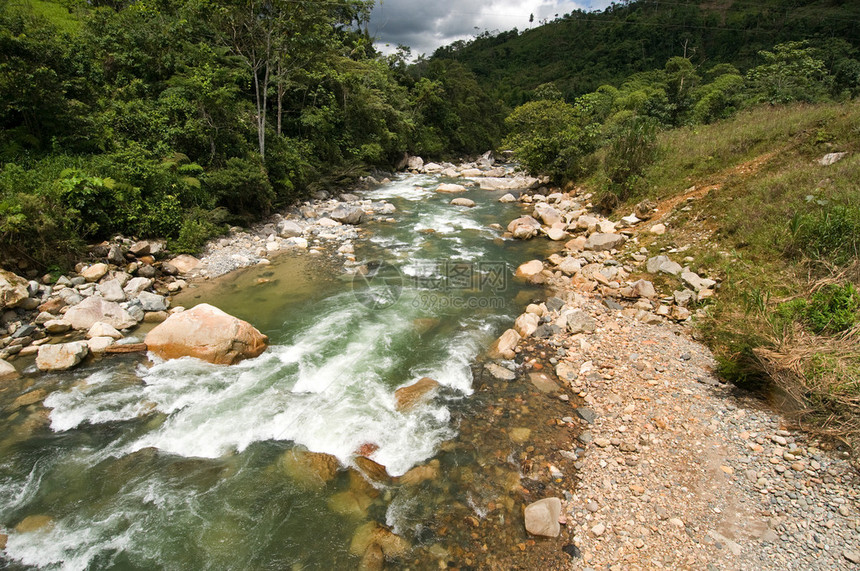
<point x="542" y="517"/>
<point x="207" y="333"/>
<point x="8" y="371"/>
<point x="373" y="471"/>
<point x="409" y="396"/>
<point x="309" y="469"/>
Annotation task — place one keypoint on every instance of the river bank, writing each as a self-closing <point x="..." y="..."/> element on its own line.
<point x="658" y="463"/>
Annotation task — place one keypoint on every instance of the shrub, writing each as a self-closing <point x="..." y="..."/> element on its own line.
<point x="632" y="148"/>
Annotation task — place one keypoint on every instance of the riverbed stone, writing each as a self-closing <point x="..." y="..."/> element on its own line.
<point x="409" y="396"/>
<point x="94" y="272"/>
<point x="101" y="329"/>
<point x="152" y="301"/>
<point x="289" y="229"/>
<point x="13" y="289"/>
<point x="185" y="263"/>
<point x="309" y="469"/>
<point x="136" y="285"/>
<point x="450" y="188"/>
<point x="207" y="333"/>
<point x="602" y="241"/>
<point x="93" y="309"/>
<point x="347" y="214"/>
<point x="504" y="346"/>
<point x="500" y="373"/>
<point x="526" y="324"/>
<point x="468" y="203"/>
<point x="35" y="523"/>
<point x="98" y="345"/>
<point x="373" y="471"/>
<point x="529" y="270"/>
<point x="524" y="227"/>
<point x="8" y="371"/>
<point x="541" y="517"/>
<point x="57" y="326"/>
<point x="507" y="198"/>
<point x="111" y="290"/>
<point x="578" y="321"/>
<point x="61" y="356"/>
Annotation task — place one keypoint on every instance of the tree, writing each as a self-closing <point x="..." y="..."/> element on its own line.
<point x="791" y="72"/>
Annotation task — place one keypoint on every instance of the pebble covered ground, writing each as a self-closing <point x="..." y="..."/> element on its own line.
<point x="678" y="471"/>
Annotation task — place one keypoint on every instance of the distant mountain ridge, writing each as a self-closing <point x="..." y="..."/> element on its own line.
<point x="582" y="50"/>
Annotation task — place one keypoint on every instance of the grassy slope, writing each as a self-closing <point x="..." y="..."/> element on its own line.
<point x="753" y="174"/>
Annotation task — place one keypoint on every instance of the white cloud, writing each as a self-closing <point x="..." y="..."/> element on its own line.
<point x="424" y="25"/>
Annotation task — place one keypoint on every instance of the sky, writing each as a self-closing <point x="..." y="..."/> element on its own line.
<point x="424" y="25"/>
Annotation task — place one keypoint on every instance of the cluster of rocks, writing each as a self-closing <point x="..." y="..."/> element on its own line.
<point x="100" y="301"/>
<point x="597" y="258"/>
<point x="318" y="226"/>
<point x="484" y="173"/>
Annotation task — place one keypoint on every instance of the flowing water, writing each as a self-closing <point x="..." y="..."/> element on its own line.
<point x="131" y="464"/>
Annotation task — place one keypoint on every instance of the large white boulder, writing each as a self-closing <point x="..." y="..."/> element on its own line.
<point x="207" y="333"/>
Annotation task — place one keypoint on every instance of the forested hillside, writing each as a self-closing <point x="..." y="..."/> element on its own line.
<point x="581" y="51"/>
<point x="162" y="118"/>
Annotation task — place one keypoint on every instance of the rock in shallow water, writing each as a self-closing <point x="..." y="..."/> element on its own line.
<point x="542" y="517"/>
<point x="61" y="356"/>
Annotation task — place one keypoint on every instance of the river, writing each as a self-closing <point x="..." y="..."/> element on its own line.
<point x="185" y="465"/>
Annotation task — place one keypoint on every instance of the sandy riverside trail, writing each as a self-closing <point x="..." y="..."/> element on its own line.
<point x="675" y="469"/>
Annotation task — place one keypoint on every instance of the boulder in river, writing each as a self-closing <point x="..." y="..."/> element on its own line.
<point x="94" y="309"/>
<point x="62" y="356"/>
<point x="463" y="202"/>
<point x="524" y="227"/>
<point x="373" y="533"/>
<point x="372" y="471"/>
<point x="207" y="333"/>
<point x="450" y="188"/>
<point x="529" y="270"/>
<point x="409" y="396"/>
<point x="542" y="517"/>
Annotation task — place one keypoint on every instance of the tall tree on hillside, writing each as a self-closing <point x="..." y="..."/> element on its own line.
<point x="274" y="38"/>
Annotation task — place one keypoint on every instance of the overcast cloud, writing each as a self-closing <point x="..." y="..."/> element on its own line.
<point x="424" y="25"/>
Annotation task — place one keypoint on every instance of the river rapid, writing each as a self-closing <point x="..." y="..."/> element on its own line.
<point x="133" y="464"/>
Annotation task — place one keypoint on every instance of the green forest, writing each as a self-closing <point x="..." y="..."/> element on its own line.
<point x="175" y="119"/>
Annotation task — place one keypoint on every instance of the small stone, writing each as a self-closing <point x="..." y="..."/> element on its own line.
<point x="851" y="555"/>
<point x="598" y="530"/>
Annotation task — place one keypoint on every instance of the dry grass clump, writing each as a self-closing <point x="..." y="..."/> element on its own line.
<point x="821" y="376"/>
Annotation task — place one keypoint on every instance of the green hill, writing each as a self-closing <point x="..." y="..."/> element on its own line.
<point x="581" y="51"/>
